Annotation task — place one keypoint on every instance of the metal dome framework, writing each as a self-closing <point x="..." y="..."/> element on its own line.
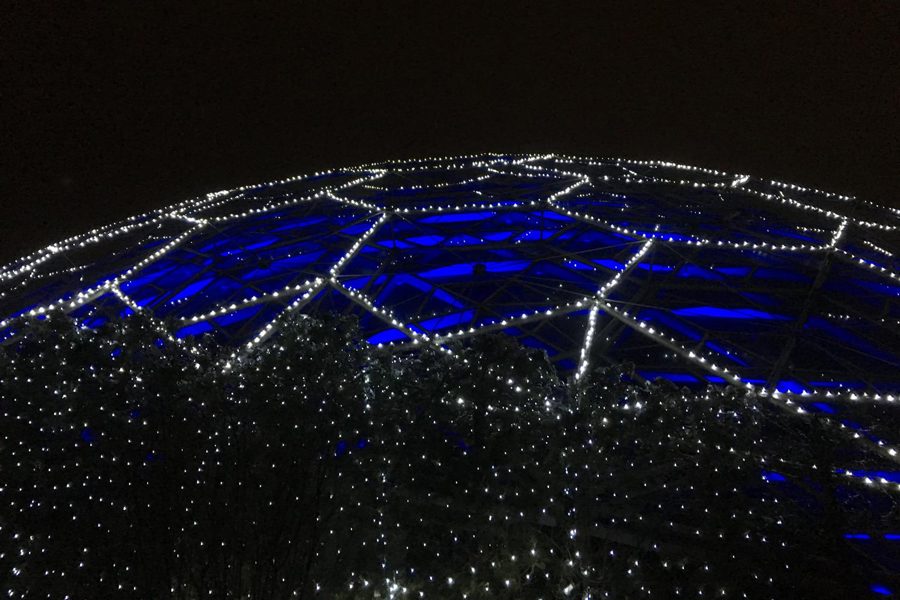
<point x="693" y="275"/>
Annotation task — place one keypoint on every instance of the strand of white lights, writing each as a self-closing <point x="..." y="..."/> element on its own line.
<point x="382" y="313"/>
<point x="253" y="300"/>
<point x="785" y="402"/>
<point x="295" y="179"/>
<point x="669" y="342"/>
<point x="189" y="219"/>
<point x="877" y="248"/>
<point x="860" y="222"/>
<point x="864" y="263"/>
<point x="701" y="242"/>
<point x="517" y="161"/>
<point x="623" y="230"/>
<point x="357" y="245"/>
<point x="632" y="176"/>
<point x="880" y="482"/>
<point x="566" y="191"/>
<point x="269" y="327"/>
<point x="537" y="315"/>
<point x="533" y="172"/>
<point x="126" y="300"/>
<point x="838" y="234"/>
<point x="809" y="207"/>
<point x="32" y="261"/>
<point x="34" y="276"/>
<point x="433" y="186"/>
<point x="214" y="201"/>
<point x="398" y="168"/>
<point x="158" y="325"/>
<point x="201" y="203"/>
<point x="356" y="203"/>
<point x="588" y="342"/>
<point x="799" y="188"/>
<point x="537" y="172"/>
<point x="498" y="205"/>
<point x="439" y="208"/>
<point x="602" y="293"/>
<point x="846" y="396"/>
<point x="436" y="160"/>
<point x="390" y="319"/>
<point x="445" y="184"/>
<point x="548" y="172"/>
<point x="155" y="256"/>
<point x="604" y="165"/>
<point x="67" y="304"/>
<point x="294" y="201"/>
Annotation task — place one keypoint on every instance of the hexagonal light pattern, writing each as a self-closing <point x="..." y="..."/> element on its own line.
<point x="691" y="274"/>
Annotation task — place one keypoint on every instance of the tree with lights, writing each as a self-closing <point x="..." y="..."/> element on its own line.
<point x="136" y="465"/>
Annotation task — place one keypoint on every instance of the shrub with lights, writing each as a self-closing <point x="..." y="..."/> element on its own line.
<point x="135" y="466"/>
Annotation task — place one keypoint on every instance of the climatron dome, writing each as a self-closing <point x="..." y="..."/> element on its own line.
<point x="690" y="274"/>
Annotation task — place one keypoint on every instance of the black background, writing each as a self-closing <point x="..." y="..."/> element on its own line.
<point x="114" y="110"/>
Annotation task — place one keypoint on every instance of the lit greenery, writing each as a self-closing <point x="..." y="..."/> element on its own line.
<point x="135" y="466"/>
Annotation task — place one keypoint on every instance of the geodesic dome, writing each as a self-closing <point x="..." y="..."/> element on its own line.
<point x="691" y="274"/>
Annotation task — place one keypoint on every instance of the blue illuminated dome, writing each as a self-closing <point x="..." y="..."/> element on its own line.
<point x="691" y="274"/>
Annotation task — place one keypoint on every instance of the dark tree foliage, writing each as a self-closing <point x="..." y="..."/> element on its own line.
<point x="137" y="466"/>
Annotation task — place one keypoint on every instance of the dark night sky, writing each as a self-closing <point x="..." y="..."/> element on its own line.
<point x="110" y="112"/>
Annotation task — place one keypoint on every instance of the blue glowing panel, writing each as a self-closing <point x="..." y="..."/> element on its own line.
<point x="388" y="336"/>
<point x="674" y="377"/>
<point x="459" y="217"/>
<point x="717" y="312"/>
<point x="735" y="307"/>
<point x="480" y="267"/>
<point x="267" y="254"/>
<point x="773" y="477"/>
